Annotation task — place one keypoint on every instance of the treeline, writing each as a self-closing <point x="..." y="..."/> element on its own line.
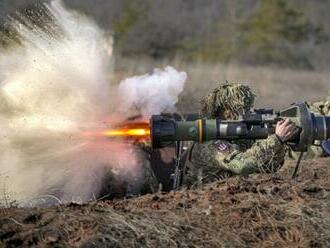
<point x="285" y="33"/>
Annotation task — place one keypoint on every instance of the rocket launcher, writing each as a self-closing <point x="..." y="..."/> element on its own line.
<point x="255" y="125"/>
<point x="258" y="124"/>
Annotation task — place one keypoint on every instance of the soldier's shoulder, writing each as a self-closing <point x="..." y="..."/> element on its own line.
<point x="207" y="151"/>
<point x="202" y="151"/>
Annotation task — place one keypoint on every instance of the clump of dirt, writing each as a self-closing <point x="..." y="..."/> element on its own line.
<point x="258" y="210"/>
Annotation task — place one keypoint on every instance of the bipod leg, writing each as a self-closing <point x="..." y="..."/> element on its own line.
<point x="294" y="175"/>
<point x="177" y="177"/>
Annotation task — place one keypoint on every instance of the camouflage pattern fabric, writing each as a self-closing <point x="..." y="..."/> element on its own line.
<point x="216" y="160"/>
<point x="232" y="97"/>
<point x="320" y="107"/>
<point x="312" y="152"/>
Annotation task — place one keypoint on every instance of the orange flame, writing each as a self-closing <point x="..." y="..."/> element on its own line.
<point x="127" y="133"/>
<point x="135" y="130"/>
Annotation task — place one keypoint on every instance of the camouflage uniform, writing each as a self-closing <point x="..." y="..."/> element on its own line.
<point x="320" y="107"/>
<point x="219" y="159"/>
<point x="216" y="160"/>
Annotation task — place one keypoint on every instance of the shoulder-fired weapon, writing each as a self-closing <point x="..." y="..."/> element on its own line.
<point x="257" y="124"/>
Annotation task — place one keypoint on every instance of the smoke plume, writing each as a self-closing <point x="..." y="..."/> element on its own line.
<point x="54" y="91"/>
<point x="152" y="93"/>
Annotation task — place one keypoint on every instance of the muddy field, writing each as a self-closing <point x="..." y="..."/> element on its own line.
<point x="260" y="210"/>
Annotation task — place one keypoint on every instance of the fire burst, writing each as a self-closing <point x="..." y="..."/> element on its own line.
<point x="134" y="130"/>
<point x="130" y="131"/>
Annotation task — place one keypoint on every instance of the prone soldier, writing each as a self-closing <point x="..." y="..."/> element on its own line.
<point x="233" y="140"/>
<point x="219" y="159"/>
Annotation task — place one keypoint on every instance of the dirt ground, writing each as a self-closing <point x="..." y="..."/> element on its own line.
<point x="259" y="210"/>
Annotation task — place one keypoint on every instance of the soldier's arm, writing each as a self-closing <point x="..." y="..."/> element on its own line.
<point x="265" y="156"/>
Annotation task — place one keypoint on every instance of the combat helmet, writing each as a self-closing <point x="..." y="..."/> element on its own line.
<point x="233" y="97"/>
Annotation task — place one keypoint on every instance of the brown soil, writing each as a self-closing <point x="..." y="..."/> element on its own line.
<point x="260" y="210"/>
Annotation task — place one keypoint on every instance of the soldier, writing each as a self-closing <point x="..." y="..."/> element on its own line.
<point x="219" y="159"/>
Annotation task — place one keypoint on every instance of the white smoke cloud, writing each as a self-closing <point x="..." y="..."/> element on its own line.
<point x="152" y="93"/>
<point x="53" y="90"/>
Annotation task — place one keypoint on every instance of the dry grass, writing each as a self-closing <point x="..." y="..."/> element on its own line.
<point x="255" y="211"/>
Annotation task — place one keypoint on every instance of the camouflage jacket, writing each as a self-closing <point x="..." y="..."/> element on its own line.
<point x="320" y="107"/>
<point x="215" y="160"/>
